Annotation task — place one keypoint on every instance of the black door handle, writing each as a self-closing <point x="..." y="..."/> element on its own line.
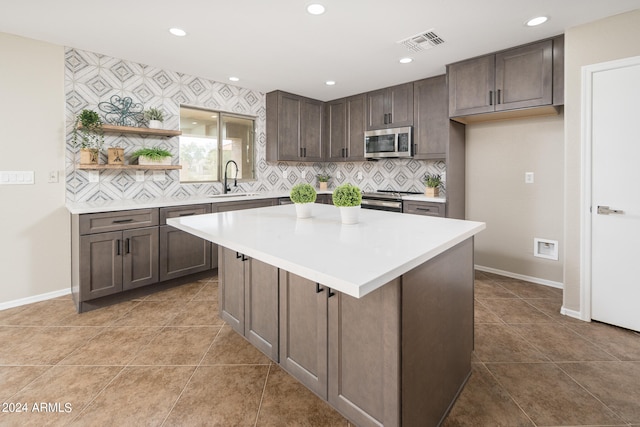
<point x="318" y="288"/>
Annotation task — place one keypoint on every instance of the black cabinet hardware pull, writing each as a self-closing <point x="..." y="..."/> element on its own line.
<point x="498" y="97"/>
<point x="301" y="152"/>
<point x="118" y="247"/>
<point x="490" y="97"/>
<point x="331" y="293"/>
<point x="346" y="152"/>
<point x="127" y="246"/>
<point x="424" y="209"/>
<point x="305" y="152"/>
<point x="122" y="221"/>
<point x="244" y="258"/>
<point x="238" y="256"/>
<point x="390" y="118"/>
<point x="187" y="214"/>
<point x="318" y="288"/>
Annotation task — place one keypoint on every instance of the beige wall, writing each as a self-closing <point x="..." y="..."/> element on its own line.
<point x="498" y="155"/>
<point x="34" y="223"/>
<point x="612" y="38"/>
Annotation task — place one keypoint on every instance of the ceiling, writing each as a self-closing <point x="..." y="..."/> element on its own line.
<point x="276" y="44"/>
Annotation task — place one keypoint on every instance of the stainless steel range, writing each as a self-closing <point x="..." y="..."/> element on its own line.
<point x="384" y="200"/>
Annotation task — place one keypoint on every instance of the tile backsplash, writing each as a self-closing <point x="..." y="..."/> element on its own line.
<point x="91" y="78"/>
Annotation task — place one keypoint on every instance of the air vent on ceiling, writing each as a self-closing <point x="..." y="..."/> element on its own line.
<point x="422" y="41"/>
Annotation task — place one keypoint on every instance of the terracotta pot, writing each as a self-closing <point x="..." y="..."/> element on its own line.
<point x="116" y="156"/>
<point x="89" y="156"/>
<point x="431" y="191"/>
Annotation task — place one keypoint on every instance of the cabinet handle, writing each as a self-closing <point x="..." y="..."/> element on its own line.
<point x="122" y="221"/>
<point x="301" y="152"/>
<point x="415" y="148"/>
<point x="187" y="214"/>
<point x="490" y="97"/>
<point x="331" y="293"/>
<point x="238" y="256"/>
<point x="244" y="258"/>
<point x="385" y="119"/>
<point x="390" y="118"/>
<point x="498" y="101"/>
<point x="118" y="247"/>
<point x="318" y="288"/>
<point x="241" y="256"/>
<point x="424" y="209"/>
<point x="127" y="246"/>
<point x="346" y="152"/>
<point x="305" y="152"/>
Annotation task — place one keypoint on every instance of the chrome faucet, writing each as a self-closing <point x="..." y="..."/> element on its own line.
<point x="225" y="187"/>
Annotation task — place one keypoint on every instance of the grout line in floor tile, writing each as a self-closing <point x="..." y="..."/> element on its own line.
<point x="264" y="388"/>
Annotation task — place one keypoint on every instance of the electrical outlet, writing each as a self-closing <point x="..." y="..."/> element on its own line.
<point x="53" y="177"/>
<point x="285" y="174"/>
<point x="528" y="177"/>
<point x="359" y="176"/>
<point x="338" y="175"/>
<point x="94" y="176"/>
<point x="304" y="174"/>
<point x="159" y="176"/>
<point x="139" y="176"/>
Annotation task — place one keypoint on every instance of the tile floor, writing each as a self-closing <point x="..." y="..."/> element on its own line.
<point x="167" y="359"/>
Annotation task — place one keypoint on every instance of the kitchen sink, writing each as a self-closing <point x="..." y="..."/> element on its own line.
<point x="228" y="195"/>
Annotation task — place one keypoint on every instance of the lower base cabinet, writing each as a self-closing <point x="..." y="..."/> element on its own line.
<point x="397" y="356"/>
<point x="248" y="299"/>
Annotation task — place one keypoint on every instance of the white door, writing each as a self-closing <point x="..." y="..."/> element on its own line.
<point x="615" y="194"/>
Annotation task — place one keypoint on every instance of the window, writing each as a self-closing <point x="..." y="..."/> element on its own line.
<point x="202" y="157"/>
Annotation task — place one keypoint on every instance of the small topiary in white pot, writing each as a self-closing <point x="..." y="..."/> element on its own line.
<point x="303" y="195"/>
<point x="348" y="198"/>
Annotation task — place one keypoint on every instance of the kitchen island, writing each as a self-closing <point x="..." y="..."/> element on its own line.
<point x="376" y="317"/>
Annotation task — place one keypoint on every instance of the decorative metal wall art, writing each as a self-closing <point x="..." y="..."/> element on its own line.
<point x="122" y="111"/>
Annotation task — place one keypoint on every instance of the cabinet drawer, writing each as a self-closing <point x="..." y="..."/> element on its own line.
<point x="180" y="211"/>
<point x="249" y="204"/>
<point x="121" y="220"/>
<point x="423" y="208"/>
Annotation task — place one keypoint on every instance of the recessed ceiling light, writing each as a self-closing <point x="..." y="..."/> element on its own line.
<point x="178" y="32"/>
<point x="194" y="123"/>
<point x="536" y="21"/>
<point x="406" y="60"/>
<point x="234" y="79"/>
<point x="329" y="82"/>
<point x="315" y="9"/>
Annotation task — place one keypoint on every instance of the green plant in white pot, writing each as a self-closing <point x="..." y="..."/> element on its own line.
<point x="152" y="156"/>
<point x="303" y="195"/>
<point x="348" y="198"/>
<point x="154" y="118"/>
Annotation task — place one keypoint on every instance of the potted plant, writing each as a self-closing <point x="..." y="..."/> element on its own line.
<point x="323" y="181"/>
<point x="348" y="197"/>
<point x="87" y="132"/>
<point x="152" y="156"/>
<point x="432" y="182"/>
<point x="303" y="195"/>
<point x="154" y="118"/>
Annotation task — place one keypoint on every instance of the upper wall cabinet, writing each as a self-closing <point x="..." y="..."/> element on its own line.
<point x="345" y="123"/>
<point x="515" y="79"/>
<point x="430" y="119"/>
<point x="390" y="107"/>
<point x="294" y="128"/>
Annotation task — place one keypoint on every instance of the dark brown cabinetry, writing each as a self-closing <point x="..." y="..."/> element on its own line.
<point x="182" y="253"/>
<point x="423" y="208"/>
<point x="344" y="134"/>
<point x="248" y="299"/>
<point x="430" y="118"/>
<point x="390" y="107"/>
<point x="113" y="252"/>
<point x="294" y="128"/>
<point x="518" y="78"/>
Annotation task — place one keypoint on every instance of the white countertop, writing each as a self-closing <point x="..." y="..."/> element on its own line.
<point x="354" y="259"/>
<point x="123" y="205"/>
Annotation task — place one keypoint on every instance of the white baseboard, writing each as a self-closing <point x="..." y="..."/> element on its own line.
<point x="34" y="298"/>
<point x="572" y="313"/>
<point x="521" y="277"/>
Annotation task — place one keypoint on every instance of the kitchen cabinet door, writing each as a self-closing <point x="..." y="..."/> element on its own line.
<point x="471" y="86"/>
<point x="100" y="265"/>
<point x="248" y="299"/>
<point x="356" y="123"/>
<point x="524" y="76"/>
<point x="430" y="118"/>
<point x="311" y="131"/>
<point x="390" y="107"/>
<point x="336" y="129"/>
<point x="303" y="331"/>
<point x="140" y="259"/>
<point x="364" y="356"/>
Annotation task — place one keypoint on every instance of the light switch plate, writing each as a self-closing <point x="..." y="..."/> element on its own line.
<point x="53" y="177"/>
<point x="16" y="177"/>
<point x="528" y="177"/>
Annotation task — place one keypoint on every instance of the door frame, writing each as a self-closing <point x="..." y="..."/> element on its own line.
<point x="588" y="71"/>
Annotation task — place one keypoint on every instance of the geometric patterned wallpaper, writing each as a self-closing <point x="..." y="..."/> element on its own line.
<point x="91" y="78"/>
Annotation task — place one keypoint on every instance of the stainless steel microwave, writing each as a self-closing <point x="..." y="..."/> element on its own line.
<point x="394" y="142"/>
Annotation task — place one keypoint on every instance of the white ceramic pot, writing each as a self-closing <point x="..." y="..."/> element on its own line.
<point x="155" y="124"/>
<point x="144" y="160"/>
<point x="350" y="214"/>
<point x="303" y="210"/>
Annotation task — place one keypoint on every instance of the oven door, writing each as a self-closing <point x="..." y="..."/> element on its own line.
<point x="381" y="205"/>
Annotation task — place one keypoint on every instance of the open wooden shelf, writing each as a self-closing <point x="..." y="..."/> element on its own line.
<point x="138" y="131"/>
<point x="131" y="167"/>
